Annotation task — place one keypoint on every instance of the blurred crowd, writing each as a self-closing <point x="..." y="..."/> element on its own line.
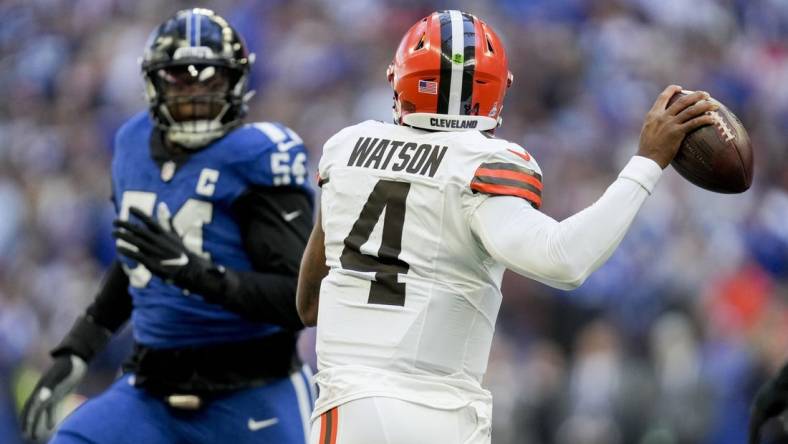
<point x="665" y="344"/>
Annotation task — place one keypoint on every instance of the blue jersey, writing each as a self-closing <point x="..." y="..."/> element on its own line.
<point x="197" y="195"/>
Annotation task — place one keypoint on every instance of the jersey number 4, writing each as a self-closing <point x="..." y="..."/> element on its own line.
<point x="387" y="266"/>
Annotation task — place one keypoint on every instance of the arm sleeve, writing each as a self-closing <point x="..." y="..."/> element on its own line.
<point x="108" y="312"/>
<point x="275" y="224"/>
<point x="112" y="306"/>
<point x="563" y="254"/>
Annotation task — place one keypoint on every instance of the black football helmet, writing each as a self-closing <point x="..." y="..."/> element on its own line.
<point x="196" y="71"/>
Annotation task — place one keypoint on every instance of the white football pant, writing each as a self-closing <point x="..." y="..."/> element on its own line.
<point x="392" y="421"/>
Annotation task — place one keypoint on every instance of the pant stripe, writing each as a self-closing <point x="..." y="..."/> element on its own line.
<point x="328" y="426"/>
<point x="325" y="430"/>
<point x="335" y="429"/>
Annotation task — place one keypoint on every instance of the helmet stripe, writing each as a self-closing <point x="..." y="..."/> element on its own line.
<point x="190" y="31"/>
<point x="197" y="31"/>
<point x="444" y="82"/>
<point x="469" y="68"/>
<point x="457" y="55"/>
<point x="189" y="27"/>
<point x="458" y="63"/>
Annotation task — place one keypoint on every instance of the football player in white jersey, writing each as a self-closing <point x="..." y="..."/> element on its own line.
<point x="420" y="218"/>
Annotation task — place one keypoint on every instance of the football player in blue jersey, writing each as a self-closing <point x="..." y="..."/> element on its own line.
<point x="212" y="219"/>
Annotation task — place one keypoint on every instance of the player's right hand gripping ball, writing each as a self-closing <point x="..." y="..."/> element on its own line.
<point x="716" y="157"/>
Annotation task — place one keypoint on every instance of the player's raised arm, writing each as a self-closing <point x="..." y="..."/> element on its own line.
<point x="563" y="254"/>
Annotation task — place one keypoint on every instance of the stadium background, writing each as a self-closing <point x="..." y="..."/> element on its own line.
<point x="665" y="344"/>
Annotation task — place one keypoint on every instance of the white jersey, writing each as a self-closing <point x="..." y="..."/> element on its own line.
<point x="409" y="305"/>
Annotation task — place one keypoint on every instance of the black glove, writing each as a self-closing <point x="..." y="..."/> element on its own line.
<point x="771" y="400"/>
<point x="39" y="416"/>
<point x="161" y="250"/>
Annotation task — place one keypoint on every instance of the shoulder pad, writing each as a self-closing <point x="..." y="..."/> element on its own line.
<point x="138" y="122"/>
<point x="277" y="134"/>
<point x="274" y="155"/>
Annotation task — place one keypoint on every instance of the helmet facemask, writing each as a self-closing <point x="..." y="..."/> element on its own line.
<point x="195" y="104"/>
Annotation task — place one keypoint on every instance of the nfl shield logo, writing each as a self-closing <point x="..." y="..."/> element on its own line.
<point x="428" y="87"/>
<point x="167" y="170"/>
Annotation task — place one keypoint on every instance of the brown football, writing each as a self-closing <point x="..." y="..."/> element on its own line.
<point x="716" y="157"/>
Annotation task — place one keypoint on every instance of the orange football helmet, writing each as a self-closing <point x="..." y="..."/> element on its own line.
<point x="450" y="73"/>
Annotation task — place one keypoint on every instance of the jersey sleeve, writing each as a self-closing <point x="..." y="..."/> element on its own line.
<point x="276" y="156"/>
<point x="332" y="145"/>
<point x="509" y="172"/>
<point x="563" y="254"/>
<point x="323" y="168"/>
<point x="322" y="172"/>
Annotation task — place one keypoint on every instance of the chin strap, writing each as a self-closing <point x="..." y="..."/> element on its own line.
<point x="194" y="134"/>
<point x="191" y="139"/>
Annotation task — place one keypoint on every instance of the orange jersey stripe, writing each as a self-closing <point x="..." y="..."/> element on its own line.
<point x="504" y="190"/>
<point x="514" y="175"/>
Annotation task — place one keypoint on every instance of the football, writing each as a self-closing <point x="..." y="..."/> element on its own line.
<point x="716" y="157"/>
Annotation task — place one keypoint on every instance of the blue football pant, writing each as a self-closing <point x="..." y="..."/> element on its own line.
<point x="275" y="413"/>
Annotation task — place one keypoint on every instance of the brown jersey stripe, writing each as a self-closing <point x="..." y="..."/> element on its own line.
<point x="507" y="183"/>
<point x="503" y="190"/>
<point x="511" y="175"/>
<point x="510" y="167"/>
